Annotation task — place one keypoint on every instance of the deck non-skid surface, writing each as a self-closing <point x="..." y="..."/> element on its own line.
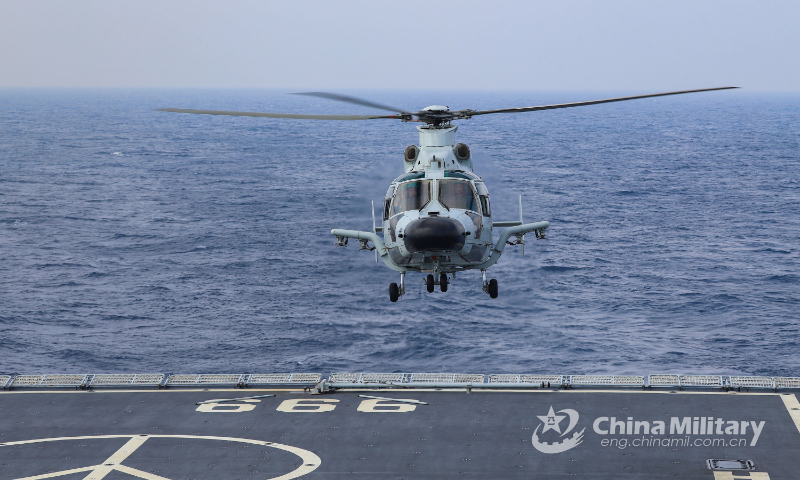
<point x="484" y="435"/>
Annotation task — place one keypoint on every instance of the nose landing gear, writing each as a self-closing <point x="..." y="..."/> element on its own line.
<point x="430" y="282"/>
<point x="443" y="282"/>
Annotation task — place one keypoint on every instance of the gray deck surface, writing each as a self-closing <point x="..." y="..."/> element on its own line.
<point x="483" y="435"/>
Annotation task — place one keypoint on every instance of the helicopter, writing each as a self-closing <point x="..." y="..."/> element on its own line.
<point x="436" y="216"/>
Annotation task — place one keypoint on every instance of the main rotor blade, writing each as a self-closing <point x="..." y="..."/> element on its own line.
<point x="348" y="99"/>
<point x="301" y="116"/>
<point x="469" y="113"/>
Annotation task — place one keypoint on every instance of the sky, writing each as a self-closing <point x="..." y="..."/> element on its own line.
<point x="433" y="44"/>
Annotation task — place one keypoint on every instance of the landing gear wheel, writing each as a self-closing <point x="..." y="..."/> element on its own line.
<point x="394" y="292"/>
<point x="443" y="282"/>
<point x="429" y="282"/>
<point x="493" y="288"/>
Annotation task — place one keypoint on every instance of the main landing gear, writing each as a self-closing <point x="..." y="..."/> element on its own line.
<point x="490" y="287"/>
<point x="395" y="290"/>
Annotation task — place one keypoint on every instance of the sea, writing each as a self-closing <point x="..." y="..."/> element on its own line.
<point x="139" y="241"/>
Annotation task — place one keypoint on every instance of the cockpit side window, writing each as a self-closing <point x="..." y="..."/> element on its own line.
<point x="457" y="194"/>
<point x="485" y="206"/>
<point x="483" y="193"/>
<point x="387" y="203"/>
<point x="411" y="196"/>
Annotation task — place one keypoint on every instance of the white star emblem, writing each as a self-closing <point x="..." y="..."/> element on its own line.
<point x="551" y="421"/>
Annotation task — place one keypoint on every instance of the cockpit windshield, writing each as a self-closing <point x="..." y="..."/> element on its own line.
<point x="411" y="196"/>
<point x="457" y="194"/>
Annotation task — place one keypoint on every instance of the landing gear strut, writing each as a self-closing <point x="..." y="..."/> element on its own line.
<point x="490" y="287"/>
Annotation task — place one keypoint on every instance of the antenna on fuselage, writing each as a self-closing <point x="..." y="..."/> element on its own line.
<point x="375" y="230"/>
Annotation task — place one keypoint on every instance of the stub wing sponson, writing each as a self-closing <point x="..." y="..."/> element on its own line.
<point x="363" y="237"/>
<point x="538" y="227"/>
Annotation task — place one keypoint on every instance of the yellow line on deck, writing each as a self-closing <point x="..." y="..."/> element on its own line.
<point x="790" y="400"/>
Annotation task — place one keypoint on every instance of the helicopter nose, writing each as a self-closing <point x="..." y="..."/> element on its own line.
<point x="434" y="234"/>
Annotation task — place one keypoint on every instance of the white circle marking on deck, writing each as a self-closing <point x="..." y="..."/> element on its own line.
<point x="96" y="472"/>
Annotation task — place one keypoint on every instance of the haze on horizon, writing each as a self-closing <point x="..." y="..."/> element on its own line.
<point x="442" y="44"/>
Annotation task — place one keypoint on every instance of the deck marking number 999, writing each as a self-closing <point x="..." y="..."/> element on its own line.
<point x="313" y="405"/>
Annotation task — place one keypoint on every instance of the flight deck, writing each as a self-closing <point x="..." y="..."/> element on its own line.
<point x="398" y="426"/>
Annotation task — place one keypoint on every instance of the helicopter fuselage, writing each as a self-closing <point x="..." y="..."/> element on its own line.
<point x="436" y="217"/>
